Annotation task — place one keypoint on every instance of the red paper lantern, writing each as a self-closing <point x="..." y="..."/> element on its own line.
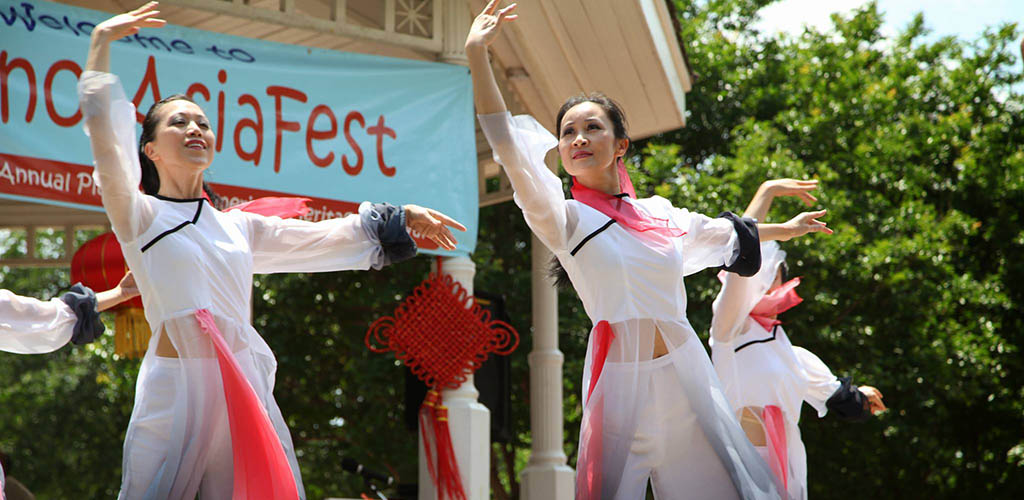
<point x="99" y="264"/>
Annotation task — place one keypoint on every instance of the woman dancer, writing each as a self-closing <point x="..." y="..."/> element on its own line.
<point x="653" y="409"/>
<point x="205" y="418"/>
<point x="764" y="376"/>
<point x="33" y="326"/>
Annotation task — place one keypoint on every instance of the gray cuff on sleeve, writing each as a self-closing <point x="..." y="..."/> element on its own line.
<point x="82" y="300"/>
<point x="385" y="224"/>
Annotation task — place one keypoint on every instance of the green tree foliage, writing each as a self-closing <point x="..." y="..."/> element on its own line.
<point x="918" y="147"/>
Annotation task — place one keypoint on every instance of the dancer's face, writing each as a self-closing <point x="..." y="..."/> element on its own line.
<point x="587" y="142"/>
<point x="183" y="140"/>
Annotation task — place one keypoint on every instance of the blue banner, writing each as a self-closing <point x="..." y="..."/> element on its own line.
<point x="337" y="127"/>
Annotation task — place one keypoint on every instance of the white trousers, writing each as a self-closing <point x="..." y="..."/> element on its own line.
<point x="669" y="446"/>
<point x="208" y="470"/>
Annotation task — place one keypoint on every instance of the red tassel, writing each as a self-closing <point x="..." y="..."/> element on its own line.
<point x="438" y="450"/>
<point x="428" y="426"/>
<point x="448" y="466"/>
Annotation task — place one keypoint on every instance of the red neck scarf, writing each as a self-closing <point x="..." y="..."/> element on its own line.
<point x="622" y="211"/>
<point x="287" y="207"/>
<point x="778" y="301"/>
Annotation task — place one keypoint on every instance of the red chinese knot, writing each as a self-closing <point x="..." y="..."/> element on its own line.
<point x="438" y="337"/>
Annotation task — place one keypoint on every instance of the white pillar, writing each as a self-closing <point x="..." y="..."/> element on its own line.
<point x="455" y="23"/>
<point x="468" y="420"/>
<point x="546" y="476"/>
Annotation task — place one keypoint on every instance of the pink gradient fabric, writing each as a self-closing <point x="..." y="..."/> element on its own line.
<point x="285" y="208"/>
<point x="775" y="430"/>
<point x="261" y="468"/>
<point x="622" y="211"/>
<point x="776" y="302"/>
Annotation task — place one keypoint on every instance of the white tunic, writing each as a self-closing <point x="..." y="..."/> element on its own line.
<point x="33" y="326"/>
<point x="761" y="367"/>
<point x="187" y="256"/>
<point x="635" y="284"/>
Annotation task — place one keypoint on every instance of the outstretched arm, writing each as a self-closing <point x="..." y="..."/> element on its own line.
<point x="739" y="295"/>
<point x="125" y="290"/>
<point x="806" y="222"/>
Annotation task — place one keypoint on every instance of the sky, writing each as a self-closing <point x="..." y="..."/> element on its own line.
<point x="964" y="18"/>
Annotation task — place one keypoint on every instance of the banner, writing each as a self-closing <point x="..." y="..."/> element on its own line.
<point x="337" y="127"/>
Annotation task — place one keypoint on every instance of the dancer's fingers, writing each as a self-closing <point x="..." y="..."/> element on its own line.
<point x="448" y="221"/>
<point x="449" y="239"/>
<point x="491" y="6"/>
<point x="506" y="11"/>
<point x="444" y="240"/>
<point x="145" y="8"/>
<point x="153" y="23"/>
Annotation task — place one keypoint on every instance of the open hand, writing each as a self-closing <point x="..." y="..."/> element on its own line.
<point x="874" y="398"/>
<point x="485" y="27"/>
<point x="433" y="225"/>
<point x="793" y="187"/>
<point x="806" y="222"/>
<point x="129" y="23"/>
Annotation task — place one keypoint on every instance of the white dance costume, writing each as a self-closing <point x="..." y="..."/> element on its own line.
<point x="759" y="367"/>
<point x="187" y="257"/>
<point x="660" y="418"/>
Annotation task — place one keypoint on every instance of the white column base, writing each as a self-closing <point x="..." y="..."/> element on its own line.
<point x="546" y="476"/>
<point x="548" y="482"/>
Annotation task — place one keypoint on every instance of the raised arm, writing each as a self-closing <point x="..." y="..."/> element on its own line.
<point x="739" y="294"/>
<point x="110" y="124"/>
<point x="484" y="30"/>
<point x="769" y="190"/>
<point x="797" y="226"/>
<point x="519" y="143"/>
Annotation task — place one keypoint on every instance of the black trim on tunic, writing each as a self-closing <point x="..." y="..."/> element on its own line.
<point x="759" y="341"/>
<point x="590" y="236"/>
<point x="199" y="210"/>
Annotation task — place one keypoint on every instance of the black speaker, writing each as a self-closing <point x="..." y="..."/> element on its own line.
<point x="491" y="379"/>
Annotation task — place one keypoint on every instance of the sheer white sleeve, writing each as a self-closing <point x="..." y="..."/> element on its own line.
<point x="739" y="295"/>
<point x="707" y="243"/>
<point x="821" y="383"/>
<point x="732" y="306"/>
<point x="520" y="144"/>
<point x="299" y="246"/>
<point x="110" y="124"/>
<point x="32" y="326"/>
